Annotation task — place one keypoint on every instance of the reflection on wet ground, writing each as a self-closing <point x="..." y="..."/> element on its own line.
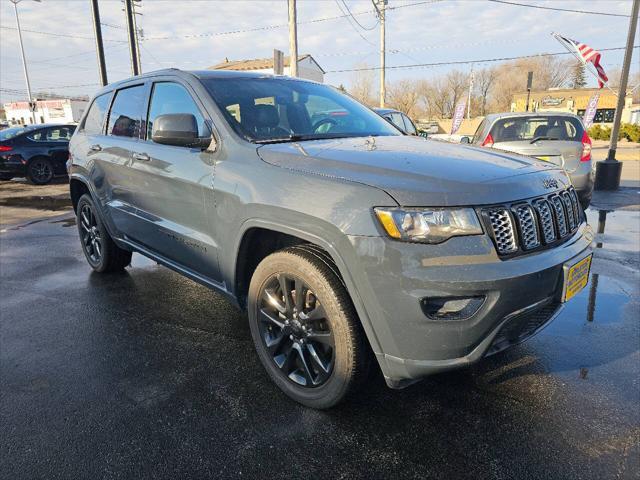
<point x="62" y="202"/>
<point x="145" y="374"/>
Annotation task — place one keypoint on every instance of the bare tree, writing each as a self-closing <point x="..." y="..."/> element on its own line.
<point x="362" y="86"/>
<point x="484" y="81"/>
<point x="404" y="95"/>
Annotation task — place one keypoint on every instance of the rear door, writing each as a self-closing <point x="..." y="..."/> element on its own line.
<point x="123" y="132"/>
<point x="173" y="184"/>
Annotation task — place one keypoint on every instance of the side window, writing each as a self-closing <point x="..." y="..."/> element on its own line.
<point x="479" y="130"/>
<point x="396" y="119"/>
<point x="38" y="136"/>
<point x="125" y="117"/>
<point x="409" y="127"/>
<point x="59" y="134"/>
<point x="168" y="97"/>
<point x="95" y="118"/>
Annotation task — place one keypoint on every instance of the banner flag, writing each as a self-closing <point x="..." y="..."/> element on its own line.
<point x="458" y="115"/>
<point x="590" y="112"/>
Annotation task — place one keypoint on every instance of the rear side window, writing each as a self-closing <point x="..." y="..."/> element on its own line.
<point x="125" y="118"/>
<point x="542" y="127"/>
<point x="95" y="118"/>
<point x="479" y="131"/>
<point x="409" y="127"/>
<point x="169" y="97"/>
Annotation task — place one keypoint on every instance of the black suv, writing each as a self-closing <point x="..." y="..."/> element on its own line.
<point x="38" y="152"/>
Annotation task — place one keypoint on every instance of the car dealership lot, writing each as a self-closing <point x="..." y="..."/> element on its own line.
<point x="147" y="374"/>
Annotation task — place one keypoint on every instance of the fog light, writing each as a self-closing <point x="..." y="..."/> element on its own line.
<point x="451" y="308"/>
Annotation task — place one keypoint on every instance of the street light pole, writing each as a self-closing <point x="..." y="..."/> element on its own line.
<point x="608" y="171"/>
<point x="24" y="62"/>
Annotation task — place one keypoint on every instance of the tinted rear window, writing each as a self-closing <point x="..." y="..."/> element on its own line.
<point x="544" y="127"/>
<point x="127" y="111"/>
<point x="95" y="118"/>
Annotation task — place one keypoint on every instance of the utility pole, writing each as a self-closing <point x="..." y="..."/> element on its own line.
<point x="470" y="89"/>
<point x="608" y="171"/>
<point x="381" y="13"/>
<point x="32" y="105"/>
<point x="293" y="39"/>
<point x="133" y="39"/>
<point x="97" y="28"/>
<point x="137" y="31"/>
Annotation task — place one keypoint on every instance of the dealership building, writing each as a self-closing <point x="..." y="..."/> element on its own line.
<point x="576" y="101"/>
<point x="56" y="110"/>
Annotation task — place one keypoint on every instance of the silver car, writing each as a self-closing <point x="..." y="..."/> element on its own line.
<point x="555" y="137"/>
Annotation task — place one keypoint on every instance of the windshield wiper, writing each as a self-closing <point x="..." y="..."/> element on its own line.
<point x="535" y="139"/>
<point x="297" y="137"/>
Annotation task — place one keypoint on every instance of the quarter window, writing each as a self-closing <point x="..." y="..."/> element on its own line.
<point x="409" y="127"/>
<point x="167" y="98"/>
<point x="94" y="121"/>
<point x="126" y="113"/>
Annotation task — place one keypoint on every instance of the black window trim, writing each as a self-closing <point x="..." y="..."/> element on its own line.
<point x="86" y="114"/>
<point x="196" y="100"/>
<point x="114" y="94"/>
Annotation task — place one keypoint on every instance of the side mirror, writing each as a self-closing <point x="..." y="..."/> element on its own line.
<point x="178" y="129"/>
<point x="464" y="140"/>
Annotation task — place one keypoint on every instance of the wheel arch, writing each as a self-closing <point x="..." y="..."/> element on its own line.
<point x="245" y="264"/>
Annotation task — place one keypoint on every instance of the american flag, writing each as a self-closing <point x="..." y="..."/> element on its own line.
<point x="586" y="54"/>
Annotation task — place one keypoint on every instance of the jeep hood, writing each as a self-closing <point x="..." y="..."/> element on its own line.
<point x="419" y="172"/>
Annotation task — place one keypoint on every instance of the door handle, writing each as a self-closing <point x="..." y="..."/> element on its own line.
<point x="141" y="156"/>
<point x="95" y="148"/>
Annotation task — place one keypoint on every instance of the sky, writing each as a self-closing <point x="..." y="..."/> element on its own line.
<point x="194" y="34"/>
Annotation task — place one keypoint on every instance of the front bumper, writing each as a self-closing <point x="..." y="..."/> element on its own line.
<point x="397" y="276"/>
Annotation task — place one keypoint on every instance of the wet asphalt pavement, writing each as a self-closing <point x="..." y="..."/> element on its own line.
<point x="149" y="375"/>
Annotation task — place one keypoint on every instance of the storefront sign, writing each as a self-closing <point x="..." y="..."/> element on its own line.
<point x="590" y="112"/>
<point x="549" y="101"/>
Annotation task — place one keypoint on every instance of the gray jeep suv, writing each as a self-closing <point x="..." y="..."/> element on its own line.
<point x="344" y="241"/>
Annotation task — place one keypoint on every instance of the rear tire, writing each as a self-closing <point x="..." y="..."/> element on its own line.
<point x="40" y="171"/>
<point x="101" y="252"/>
<point x="312" y="346"/>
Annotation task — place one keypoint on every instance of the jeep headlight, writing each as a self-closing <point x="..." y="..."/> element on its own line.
<point x="428" y="225"/>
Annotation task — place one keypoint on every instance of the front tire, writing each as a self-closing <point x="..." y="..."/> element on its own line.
<point x="305" y="328"/>
<point x="40" y="171"/>
<point x="101" y="252"/>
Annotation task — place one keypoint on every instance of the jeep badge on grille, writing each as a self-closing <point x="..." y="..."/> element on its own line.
<point x="550" y="183"/>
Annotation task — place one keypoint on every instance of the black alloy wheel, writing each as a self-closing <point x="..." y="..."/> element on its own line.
<point x="40" y="171"/>
<point x="295" y="330"/>
<point x="91" y="238"/>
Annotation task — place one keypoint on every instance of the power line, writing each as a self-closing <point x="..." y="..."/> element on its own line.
<point x="64" y="35"/>
<point x="355" y="29"/>
<point x="557" y="9"/>
<point x="466" y="62"/>
<point x="283" y="25"/>
<point x="356" y="20"/>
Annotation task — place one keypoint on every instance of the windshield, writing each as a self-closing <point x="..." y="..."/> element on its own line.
<point x="9" y="133"/>
<point x="270" y="109"/>
<point x="539" y="127"/>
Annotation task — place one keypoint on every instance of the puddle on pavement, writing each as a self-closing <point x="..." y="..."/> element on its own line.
<point x="604" y="298"/>
<point x="37" y="202"/>
<point x="66" y="222"/>
<point x="616" y="229"/>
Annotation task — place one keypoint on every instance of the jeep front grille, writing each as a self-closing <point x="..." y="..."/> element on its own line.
<point x="531" y="224"/>
<point x="503" y="231"/>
